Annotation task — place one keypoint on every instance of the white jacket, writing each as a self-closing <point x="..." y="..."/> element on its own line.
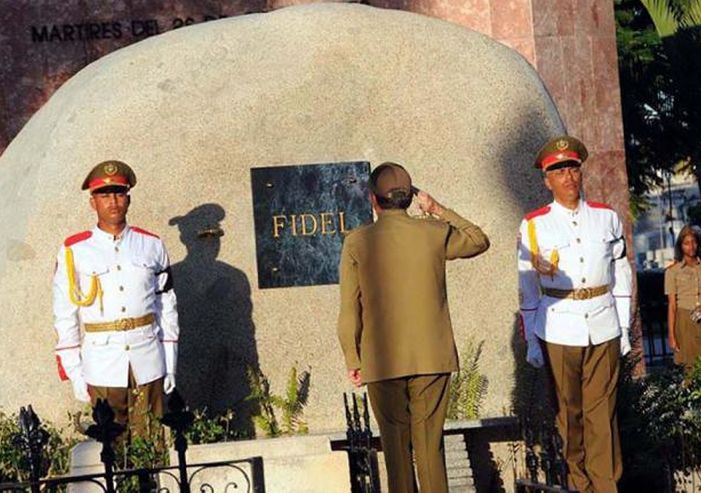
<point x="134" y="273"/>
<point x="591" y="249"/>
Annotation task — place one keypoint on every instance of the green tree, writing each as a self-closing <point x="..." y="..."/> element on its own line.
<point x="652" y="128"/>
<point x="678" y="25"/>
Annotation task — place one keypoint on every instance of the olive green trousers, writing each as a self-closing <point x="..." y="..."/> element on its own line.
<point x="134" y="407"/>
<point x="411" y="412"/>
<point x="586" y="381"/>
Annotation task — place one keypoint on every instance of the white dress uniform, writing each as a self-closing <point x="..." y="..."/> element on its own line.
<point x="591" y="249"/>
<point x="134" y="273"/>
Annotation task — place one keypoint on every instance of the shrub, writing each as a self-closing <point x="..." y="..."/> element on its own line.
<point x="291" y="405"/>
<point x="660" y="425"/>
<point x="213" y="429"/>
<point x="13" y="465"/>
<point x="468" y="387"/>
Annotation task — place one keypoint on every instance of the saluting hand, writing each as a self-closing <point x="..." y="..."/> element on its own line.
<point x="429" y="204"/>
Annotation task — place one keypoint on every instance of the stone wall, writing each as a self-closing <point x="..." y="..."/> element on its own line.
<point x="193" y="110"/>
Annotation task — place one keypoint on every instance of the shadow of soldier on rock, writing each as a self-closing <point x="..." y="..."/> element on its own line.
<point x="217" y="334"/>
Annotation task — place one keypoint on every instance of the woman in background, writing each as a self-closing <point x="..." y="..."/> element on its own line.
<point x="682" y="285"/>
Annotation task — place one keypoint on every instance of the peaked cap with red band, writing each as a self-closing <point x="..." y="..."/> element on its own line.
<point x="560" y="149"/>
<point x="109" y="174"/>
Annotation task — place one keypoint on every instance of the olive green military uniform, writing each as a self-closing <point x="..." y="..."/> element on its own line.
<point x="395" y="326"/>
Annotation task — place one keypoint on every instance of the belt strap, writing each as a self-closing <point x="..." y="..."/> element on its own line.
<point x="122" y="324"/>
<point x="576" y="294"/>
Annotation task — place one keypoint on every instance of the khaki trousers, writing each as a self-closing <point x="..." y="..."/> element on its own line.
<point x="411" y="412"/>
<point x="134" y="406"/>
<point x="586" y="380"/>
<point x="688" y="335"/>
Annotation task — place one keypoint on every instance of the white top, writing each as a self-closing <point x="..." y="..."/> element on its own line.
<point x="134" y="272"/>
<point x="591" y="247"/>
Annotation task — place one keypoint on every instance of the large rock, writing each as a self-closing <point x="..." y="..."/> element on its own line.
<point x="192" y="110"/>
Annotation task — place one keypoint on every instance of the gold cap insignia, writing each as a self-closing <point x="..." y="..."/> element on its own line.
<point x="110" y="169"/>
<point x="562" y="144"/>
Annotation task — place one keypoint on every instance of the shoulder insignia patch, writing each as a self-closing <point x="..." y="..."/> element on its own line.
<point x="77" y="238"/>
<point x="144" y="232"/>
<point x="538" y="212"/>
<point x="599" y="205"/>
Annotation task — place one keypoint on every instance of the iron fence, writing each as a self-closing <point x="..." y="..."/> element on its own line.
<point x="245" y="475"/>
<point x="545" y="462"/>
<point x="653" y="317"/>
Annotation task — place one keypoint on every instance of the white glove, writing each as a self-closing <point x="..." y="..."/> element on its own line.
<point x="534" y="354"/>
<point x="80" y="390"/>
<point x="169" y="383"/>
<point x="625" y="341"/>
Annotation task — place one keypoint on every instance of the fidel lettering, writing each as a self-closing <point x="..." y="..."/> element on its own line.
<point x="306" y="224"/>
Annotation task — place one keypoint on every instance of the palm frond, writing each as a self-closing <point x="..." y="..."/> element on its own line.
<point x="669" y="16"/>
<point x="663" y="16"/>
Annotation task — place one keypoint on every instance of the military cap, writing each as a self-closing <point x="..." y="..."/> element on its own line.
<point x="388" y="179"/>
<point x="110" y="174"/>
<point x="203" y="221"/>
<point x="560" y="149"/>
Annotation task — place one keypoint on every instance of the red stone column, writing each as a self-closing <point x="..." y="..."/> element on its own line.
<point x="572" y="45"/>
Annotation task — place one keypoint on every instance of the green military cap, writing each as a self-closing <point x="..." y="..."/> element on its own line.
<point x="110" y="174"/>
<point x="560" y="149"/>
<point x="389" y="179"/>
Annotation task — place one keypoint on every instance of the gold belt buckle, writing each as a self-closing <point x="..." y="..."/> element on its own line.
<point x="125" y="323"/>
<point x="582" y="294"/>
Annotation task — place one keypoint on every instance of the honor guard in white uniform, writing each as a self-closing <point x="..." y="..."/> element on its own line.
<point x="574" y="293"/>
<point x="114" y="282"/>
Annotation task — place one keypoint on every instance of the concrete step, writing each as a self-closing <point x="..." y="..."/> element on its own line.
<point x="458" y="466"/>
<point x="460" y="477"/>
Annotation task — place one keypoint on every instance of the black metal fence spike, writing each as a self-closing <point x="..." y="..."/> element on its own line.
<point x="105" y="430"/>
<point x="366" y="413"/>
<point x="362" y="456"/>
<point x="532" y="462"/>
<point x="179" y="418"/>
<point x="176" y="403"/>
<point x="560" y="461"/>
<point x="32" y="439"/>
<point x="356" y="414"/>
<point x="546" y="456"/>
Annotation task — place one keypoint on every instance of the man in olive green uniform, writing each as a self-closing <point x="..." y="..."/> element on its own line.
<point x="394" y="326"/>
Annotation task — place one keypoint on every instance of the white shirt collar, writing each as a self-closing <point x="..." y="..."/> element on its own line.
<point x="556" y="206"/>
<point x="105" y="236"/>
